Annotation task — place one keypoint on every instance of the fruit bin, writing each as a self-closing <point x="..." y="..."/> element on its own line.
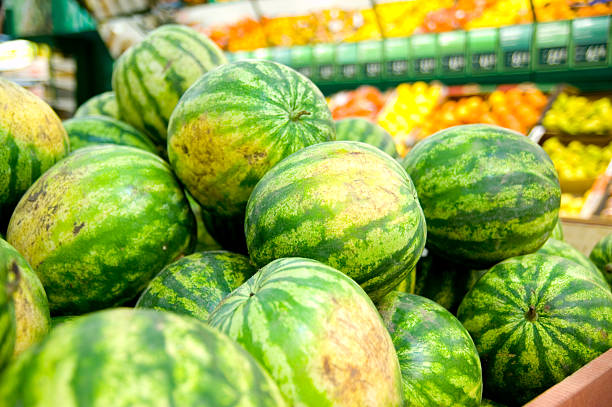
<point x="589" y="386"/>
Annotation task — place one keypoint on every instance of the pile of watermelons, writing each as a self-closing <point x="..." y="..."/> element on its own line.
<point x="326" y="295"/>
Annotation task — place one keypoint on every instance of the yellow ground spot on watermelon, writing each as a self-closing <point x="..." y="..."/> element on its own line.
<point x="360" y="371"/>
<point x="30" y="120"/>
<point x="204" y="158"/>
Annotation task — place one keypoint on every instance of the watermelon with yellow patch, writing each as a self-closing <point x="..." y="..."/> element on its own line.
<point x="32" y="139"/>
<point x="316" y="332"/>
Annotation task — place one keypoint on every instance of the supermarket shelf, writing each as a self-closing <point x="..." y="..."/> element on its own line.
<point x="575" y="51"/>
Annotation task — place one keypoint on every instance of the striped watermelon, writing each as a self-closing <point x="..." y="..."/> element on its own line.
<point x="554" y="247"/>
<point x="359" y="129"/>
<point x="196" y="284"/>
<point x="7" y="310"/>
<point x="32" y="139"/>
<point x="125" y="357"/>
<point x="100" y="224"/>
<point x="151" y="76"/>
<point x="93" y="130"/>
<point x="557" y="232"/>
<point x="601" y="256"/>
<point x="535" y="319"/>
<point x="439" y="362"/>
<point x="488" y="193"/>
<point x="316" y="332"/>
<point x="31" y="306"/>
<point x="104" y="104"/>
<point x="344" y="203"/>
<point x="444" y="282"/>
<point x="232" y="126"/>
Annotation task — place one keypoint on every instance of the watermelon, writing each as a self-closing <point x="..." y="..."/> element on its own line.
<point x="488" y="193"/>
<point x="554" y="247"/>
<point x="152" y="75"/>
<point x="442" y="281"/>
<point x="196" y="284"/>
<point x="359" y="129"/>
<point x="104" y="104"/>
<point x="557" y="232"/>
<point x="439" y="362"/>
<point x="31" y="306"/>
<point x="8" y="327"/>
<point x="32" y="139"/>
<point x="232" y="126"/>
<point x="601" y="256"/>
<point x="316" y="332"/>
<point x="124" y="357"/>
<point x="344" y="203"/>
<point x="100" y="224"/>
<point x="535" y="319"/>
<point x="93" y="130"/>
<point x="55" y="321"/>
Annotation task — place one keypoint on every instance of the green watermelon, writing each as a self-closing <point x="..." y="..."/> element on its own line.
<point x="125" y="358"/>
<point x="100" y="224"/>
<point x="554" y="247"/>
<point x="344" y="203"/>
<point x="316" y="332"/>
<point x="196" y="284"/>
<point x="488" y="193"/>
<point x="442" y="281"/>
<point x="93" y="130"/>
<point x="359" y="129"/>
<point x="439" y="362"/>
<point x="232" y="126"/>
<point x="31" y="306"/>
<point x="557" y="232"/>
<point x="8" y="327"/>
<point x="104" y="104"/>
<point x="535" y="319"/>
<point x="32" y="139"/>
<point x="152" y="75"/>
<point x="601" y="256"/>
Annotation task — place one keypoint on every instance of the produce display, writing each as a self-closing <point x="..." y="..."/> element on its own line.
<point x="232" y="126"/>
<point x="326" y="202"/>
<point x="151" y="76"/>
<point x="328" y="295"/>
<point x="440" y="364"/>
<point x="85" y="131"/>
<point x="332" y="324"/>
<point x="487" y="193"/>
<point x="577" y="115"/>
<point x="29" y="298"/>
<point x="196" y="284"/>
<point x="531" y="333"/>
<point x="552" y="10"/>
<point x="99" y="225"/>
<point x="104" y="104"/>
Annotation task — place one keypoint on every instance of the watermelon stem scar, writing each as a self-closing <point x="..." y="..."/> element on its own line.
<point x="295" y="117"/>
<point x="531" y="314"/>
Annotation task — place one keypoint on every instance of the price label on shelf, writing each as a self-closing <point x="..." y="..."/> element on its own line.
<point x="482" y="46"/>
<point x="552" y="41"/>
<point x="301" y="60"/>
<point x="396" y="56"/>
<point x="347" y="59"/>
<point x="590" y="41"/>
<point x="424" y="51"/>
<point x="452" y="48"/>
<point x="515" y="45"/>
<point x="324" y="59"/>
<point x="370" y="58"/>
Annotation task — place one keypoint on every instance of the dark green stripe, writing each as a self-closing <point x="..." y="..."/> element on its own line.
<point x="215" y="57"/>
<point x="152" y="102"/>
